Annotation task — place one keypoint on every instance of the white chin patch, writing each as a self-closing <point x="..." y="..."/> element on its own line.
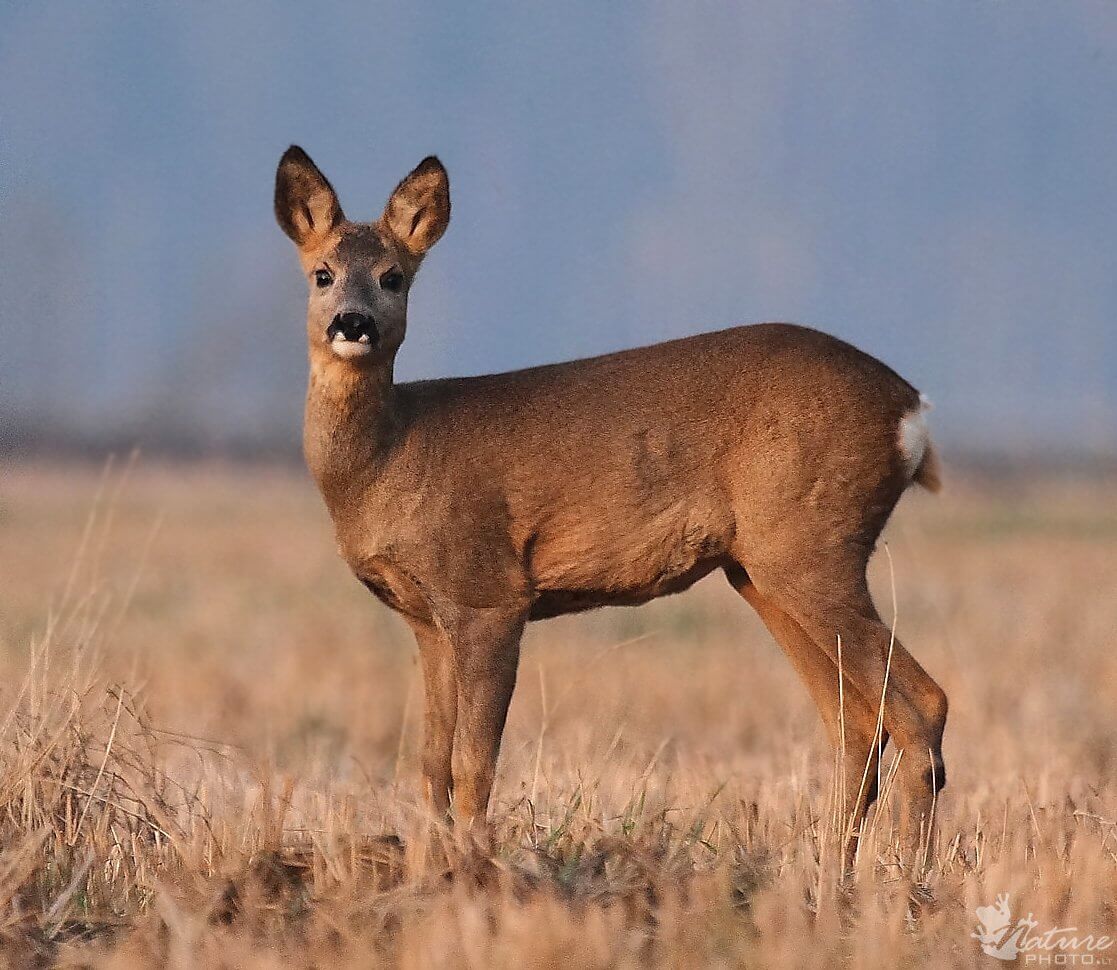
<point x="351" y="348"/>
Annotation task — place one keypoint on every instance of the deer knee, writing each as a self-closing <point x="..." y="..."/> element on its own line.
<point x="934" y="776"/>
<point x="935" y="706"/>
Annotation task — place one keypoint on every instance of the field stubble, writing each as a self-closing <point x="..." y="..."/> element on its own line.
<point x="210" y="732"/>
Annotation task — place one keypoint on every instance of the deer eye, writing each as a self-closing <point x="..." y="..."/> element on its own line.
<point x="323" y="278"/>
<point x="391" y="281"/>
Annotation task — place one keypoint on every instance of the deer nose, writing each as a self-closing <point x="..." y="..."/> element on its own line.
<point x="353" y="325"/>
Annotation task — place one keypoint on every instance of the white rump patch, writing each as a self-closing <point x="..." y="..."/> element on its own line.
<point x="913" y="435"/>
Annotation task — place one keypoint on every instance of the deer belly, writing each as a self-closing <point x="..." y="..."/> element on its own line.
<point x="580" y="568"/>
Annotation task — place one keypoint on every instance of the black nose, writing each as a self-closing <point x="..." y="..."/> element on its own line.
<point x="352" y="326"/>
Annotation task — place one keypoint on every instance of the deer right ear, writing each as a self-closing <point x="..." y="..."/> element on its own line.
<point x="419" y="209"/>
<point x="306" y="205"/>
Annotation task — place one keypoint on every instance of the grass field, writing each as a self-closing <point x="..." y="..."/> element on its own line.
<point x="209" y="736"/>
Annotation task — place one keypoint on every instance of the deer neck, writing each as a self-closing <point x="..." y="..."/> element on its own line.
<point x="349" y="427"/>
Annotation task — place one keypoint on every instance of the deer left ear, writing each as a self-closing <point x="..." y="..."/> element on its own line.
<point x="419" y="209"/>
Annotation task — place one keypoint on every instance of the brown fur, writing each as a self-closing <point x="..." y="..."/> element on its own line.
<point x="473" y="505"/>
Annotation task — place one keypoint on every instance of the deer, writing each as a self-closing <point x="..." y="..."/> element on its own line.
<point x="773" y="453"/>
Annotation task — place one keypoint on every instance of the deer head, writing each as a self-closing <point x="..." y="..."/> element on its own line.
<point x="359" y="273"/>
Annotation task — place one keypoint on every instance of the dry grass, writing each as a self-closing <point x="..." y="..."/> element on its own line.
<point x="209" y="736"/>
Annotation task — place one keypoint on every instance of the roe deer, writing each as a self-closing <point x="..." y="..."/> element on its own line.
<point x="773" y="452"/>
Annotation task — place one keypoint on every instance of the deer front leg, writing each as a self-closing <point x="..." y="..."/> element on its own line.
<point x="440" y="715"/>
<point x="487" y="651"/>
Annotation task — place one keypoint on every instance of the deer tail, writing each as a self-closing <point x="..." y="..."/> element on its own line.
<point x="917" y="453"/>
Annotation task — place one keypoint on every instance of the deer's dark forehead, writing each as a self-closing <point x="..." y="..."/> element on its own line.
<point x="359" y="243"/>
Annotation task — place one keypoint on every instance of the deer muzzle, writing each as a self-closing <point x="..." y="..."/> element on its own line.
<point x="352" y="334"/>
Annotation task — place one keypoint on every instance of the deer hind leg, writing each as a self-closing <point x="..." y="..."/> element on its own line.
<point x="850" y="722"/>
<point x="831" y="599"/>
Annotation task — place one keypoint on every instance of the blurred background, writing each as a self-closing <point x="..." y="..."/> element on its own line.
<point x="933" y="181"/>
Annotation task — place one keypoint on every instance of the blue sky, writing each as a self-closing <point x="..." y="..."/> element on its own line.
<point x="935" y="181"/>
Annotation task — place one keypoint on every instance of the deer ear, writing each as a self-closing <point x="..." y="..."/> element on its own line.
<point x="306" y="205"/>
<point x="419" y="209"/>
